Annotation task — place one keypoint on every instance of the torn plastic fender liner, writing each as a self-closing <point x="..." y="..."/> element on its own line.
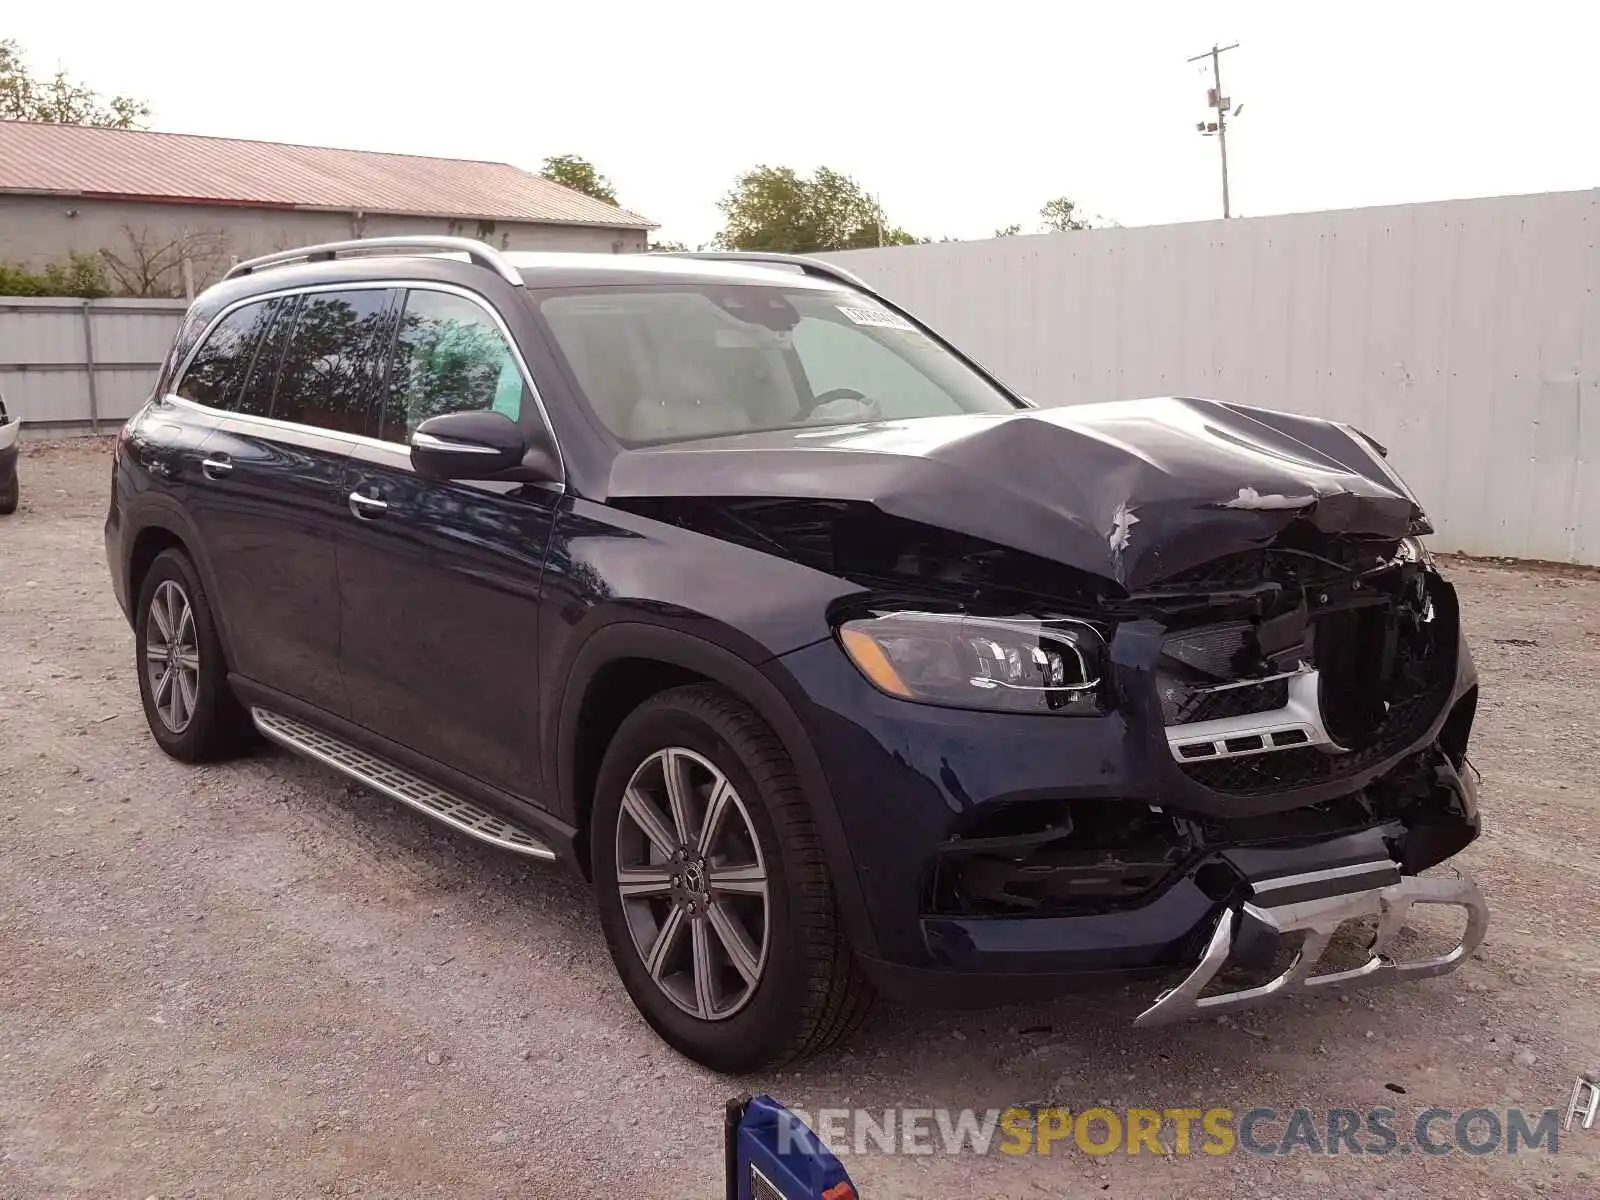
<point x="1133" y="491"/>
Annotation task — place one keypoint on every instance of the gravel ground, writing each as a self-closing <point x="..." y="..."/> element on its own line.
<point x="254" y="980"/>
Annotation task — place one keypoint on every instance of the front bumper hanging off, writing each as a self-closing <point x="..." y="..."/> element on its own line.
<point x="1281" y="907"/>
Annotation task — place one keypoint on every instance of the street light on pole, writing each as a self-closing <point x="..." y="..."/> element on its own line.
<point x="1219" y="102"/>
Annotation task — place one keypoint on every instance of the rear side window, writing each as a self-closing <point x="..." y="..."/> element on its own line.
<point x="194" y="324"/>
<point x="333" y="359"/>
<point x="219" y="367"/>
<point x="254" y="398"/>
<point x="449" y="356"/>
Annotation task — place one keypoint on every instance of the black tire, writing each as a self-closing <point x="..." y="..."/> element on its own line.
<point x="217" y="726"/>
<point x="811" y="992"/>
<point x="10" y="495"/>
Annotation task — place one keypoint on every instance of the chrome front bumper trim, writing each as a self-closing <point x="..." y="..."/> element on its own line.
<point x="1294" y="726"/>
<point x="1319" y="920"/>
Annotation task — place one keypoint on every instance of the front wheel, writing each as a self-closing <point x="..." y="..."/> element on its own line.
<point x="713" y="891"/>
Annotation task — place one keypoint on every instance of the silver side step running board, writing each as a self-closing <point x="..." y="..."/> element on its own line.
<point x="397" y="783"/>
<point x="1319" y="919"/>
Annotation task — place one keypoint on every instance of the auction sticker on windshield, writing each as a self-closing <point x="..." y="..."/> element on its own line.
<point x="879" y="318"/>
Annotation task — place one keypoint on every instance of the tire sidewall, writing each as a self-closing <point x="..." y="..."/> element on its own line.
<point x="762" y="1028"/>
<point x="199" y="738"/>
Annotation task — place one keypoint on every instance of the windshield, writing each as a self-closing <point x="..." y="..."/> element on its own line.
<point x="683" y="360"/>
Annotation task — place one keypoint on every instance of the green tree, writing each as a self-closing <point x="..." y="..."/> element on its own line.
<point x="1010" y="230"/>
<point x="1061" y="215"/>
<point x="81" y="275"/>
<point x="59" y="100"/>
<point x="580" y="175"/>
<point x="778" y="210"/>
<point x="669" y="247"/>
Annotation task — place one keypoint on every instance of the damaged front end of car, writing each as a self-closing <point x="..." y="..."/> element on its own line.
<point x="1181" y="685"/>
<point x="1319" y="704"/>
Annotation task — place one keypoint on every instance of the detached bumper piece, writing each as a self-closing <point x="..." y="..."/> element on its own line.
<point x="1300" y="904"/>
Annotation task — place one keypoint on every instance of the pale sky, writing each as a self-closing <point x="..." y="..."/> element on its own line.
<point x="962" y="117"/>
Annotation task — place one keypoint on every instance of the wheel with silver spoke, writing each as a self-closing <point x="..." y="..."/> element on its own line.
<point x="693" y="883"/>
<point x="713" y="891"/>
<point x="172" y="656"/>
<point x="182" y="675"/>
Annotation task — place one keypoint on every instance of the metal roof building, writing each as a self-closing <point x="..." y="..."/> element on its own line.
<point x="157" y="206"/>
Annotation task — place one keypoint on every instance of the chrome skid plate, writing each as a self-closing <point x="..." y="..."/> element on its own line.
<point x="1319" y="920"/>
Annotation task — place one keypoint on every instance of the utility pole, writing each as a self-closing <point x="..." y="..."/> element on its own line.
<point x="1220" y="103"/>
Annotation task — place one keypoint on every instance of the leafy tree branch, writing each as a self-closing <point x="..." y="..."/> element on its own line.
<point x="58" y="100"/>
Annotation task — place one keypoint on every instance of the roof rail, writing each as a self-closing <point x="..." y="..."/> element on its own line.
<point x="807" y="264"/>
<point x="477" y="252"/>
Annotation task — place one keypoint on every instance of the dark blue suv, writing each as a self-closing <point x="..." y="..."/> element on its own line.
<point x="835" y="666"/>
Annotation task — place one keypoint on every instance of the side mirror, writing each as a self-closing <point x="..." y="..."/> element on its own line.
<point x="467" y="445"/>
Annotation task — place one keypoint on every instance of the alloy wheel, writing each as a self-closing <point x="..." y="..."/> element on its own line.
<point x="693" y="883"/>
<point x="172" y="656"/>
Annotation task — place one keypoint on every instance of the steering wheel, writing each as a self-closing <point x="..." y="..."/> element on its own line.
<point x="840" y="393"/>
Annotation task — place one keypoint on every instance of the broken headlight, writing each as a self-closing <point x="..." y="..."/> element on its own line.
<point x="1413" y="550"/>
<point x="1014" y="664"/>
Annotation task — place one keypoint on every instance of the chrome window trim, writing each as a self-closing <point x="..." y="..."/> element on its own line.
<point x="294" y="427"/>
<point x="393" y="455"/>
<point x="383" y="285"/>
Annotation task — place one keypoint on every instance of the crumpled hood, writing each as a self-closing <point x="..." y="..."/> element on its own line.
<point x="1134" y="491"/>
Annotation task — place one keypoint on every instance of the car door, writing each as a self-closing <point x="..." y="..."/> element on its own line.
<point x="271" y="499"/>
<point x="440" y="581"/>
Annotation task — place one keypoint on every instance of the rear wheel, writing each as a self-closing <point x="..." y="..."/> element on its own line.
<point x="713" y="890"/>
<point x="183" y="678"/>
<point x="10" y="494"/>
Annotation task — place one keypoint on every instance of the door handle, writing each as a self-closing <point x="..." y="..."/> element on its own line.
<point x="367" y="507"/>
<point x="216" y="467"/>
